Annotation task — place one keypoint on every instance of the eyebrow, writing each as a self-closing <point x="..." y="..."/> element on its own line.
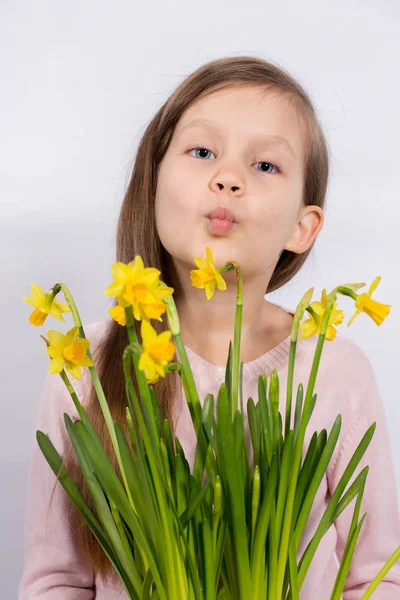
<point x="213" y="126"/>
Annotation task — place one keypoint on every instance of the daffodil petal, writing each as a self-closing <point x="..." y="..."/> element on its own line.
<point x="337" y="317"/>
<point x="148" y="333"/>
<point x="210" y="288"/>
<point x="308" y="328"/>
<point x="136" y="264"/>
<point x="54" y="352"/>
<point x="201" y="263"/>
<point x="330" y="333"/>
<point x="84" y="342"/>
<point x="56" y="314"/>
<point x="56" y="365"/>
<point x="374" y="285"/>
<point x="198" y="278"/>
<point x="318" y="307"/>
<point x="29" y="300"/>
<point x="87" y="362"/>
<point x="150" y="277"/>
<point x="114" y="289"/>
<point x="120" y="272"/>
<point x="71" y="335"/>
<point x="37" y="292"/>
<point x="60" y="306"/>
<point x="144" y="361"/>
<point x="162" y="292"/>
<point x="56" y="338"/>
<point x="118" y="314"/>
<point x="354" y="316"/>
<point x="153" y="311"/>
<point x="165" y="336"/>
<point x="209" y="255"/>
<point x="220" y="281"/>
<point x="74" y="370"/>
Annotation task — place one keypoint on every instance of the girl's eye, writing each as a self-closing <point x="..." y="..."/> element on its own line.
<point x="200" y="148"/>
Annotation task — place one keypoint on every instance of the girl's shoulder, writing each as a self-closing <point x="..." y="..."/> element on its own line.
<point x="342" y="358"/>
<point x="345" y="383"/>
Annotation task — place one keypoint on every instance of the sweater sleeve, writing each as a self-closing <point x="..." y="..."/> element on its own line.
<point x="55" y="568"/>
<point x="380" y="533"/>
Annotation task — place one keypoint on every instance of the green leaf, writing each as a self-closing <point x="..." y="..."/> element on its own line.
<point x="228" y="374"/>
<point x="156" y="410"/>
<point x="257" y="558"/>
<point x="348" y="496"/>
<point x="130" y="576"/>
<point x="115" y="492"/>
<point x="294" y="580"/>
<point x="235" y="499"/>
<point x="298" y="410"/>
<point x="254" y="430"/>
<point x="308" y="554"/>
<point x="207" y="561"/>
<point x="194" y="502"/>
<point x="346" y="560"/>
<point x="317" y="476"/>
<point x="379" y="577"/>
<point x="169" y="444"/>
<point x="54" y="460"/>
<point x="146" y="588"/>
<point x="266" y="418"/>
<point x="287" y="460"/>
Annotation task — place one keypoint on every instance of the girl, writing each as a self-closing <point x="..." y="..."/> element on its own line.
<point x="239" y="137"/>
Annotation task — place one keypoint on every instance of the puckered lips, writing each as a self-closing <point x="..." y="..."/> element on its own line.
<point x="221" y="220"/>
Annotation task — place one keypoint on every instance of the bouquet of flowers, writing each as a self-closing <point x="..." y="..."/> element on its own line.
<point x="230" y="529"/>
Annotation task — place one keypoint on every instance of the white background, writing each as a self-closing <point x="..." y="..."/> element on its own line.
<point x="79" y="83"/>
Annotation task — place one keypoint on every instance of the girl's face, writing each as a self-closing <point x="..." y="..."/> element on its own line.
<point x="250" y="159"/>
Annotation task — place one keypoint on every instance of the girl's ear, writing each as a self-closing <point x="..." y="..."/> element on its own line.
<point x="307" y="228"/>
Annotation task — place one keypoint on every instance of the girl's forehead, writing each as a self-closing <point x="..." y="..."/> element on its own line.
<point x="248" y="112"/>
<point x="247" y="99"/>
<point x="243" y="100"/>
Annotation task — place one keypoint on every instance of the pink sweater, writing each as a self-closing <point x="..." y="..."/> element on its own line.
<point x="55" y="568"/>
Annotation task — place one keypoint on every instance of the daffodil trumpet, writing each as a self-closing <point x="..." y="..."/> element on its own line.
<point x="230" y="528"/>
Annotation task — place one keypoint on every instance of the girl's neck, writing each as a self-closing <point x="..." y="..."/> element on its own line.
<point x="272" y="326"/>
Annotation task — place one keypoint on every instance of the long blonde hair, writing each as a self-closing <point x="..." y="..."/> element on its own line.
<point x="137" y="234"/>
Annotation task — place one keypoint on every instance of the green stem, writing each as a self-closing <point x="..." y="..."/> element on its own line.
<point x="96" y="384"/>
<point x="154" y="456"/>
<point x="236" y="341"/>
<point x="302" y="306"/>
<point x="289" y="388"/>
<point x="141" y="376"/>
<point x="285" y="541"/>
<point x="192" y="395"/>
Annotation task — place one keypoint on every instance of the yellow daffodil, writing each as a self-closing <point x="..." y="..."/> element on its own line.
<point x="158" y="351"/>
<point x="138" y="287"/>
<point x="45" y="305"/>
<point x="118" y="314"/>
<point x="207" y="276"/>
<point x="312" y="326"/>
<point x="377" y="311"/>
<point x="68" y="351"/>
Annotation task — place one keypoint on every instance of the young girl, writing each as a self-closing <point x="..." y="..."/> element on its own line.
<point x="239" y="139"/>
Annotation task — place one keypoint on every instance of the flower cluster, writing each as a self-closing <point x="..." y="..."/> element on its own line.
<point x="139" y="287"/>
<point x="364" y="303"/>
